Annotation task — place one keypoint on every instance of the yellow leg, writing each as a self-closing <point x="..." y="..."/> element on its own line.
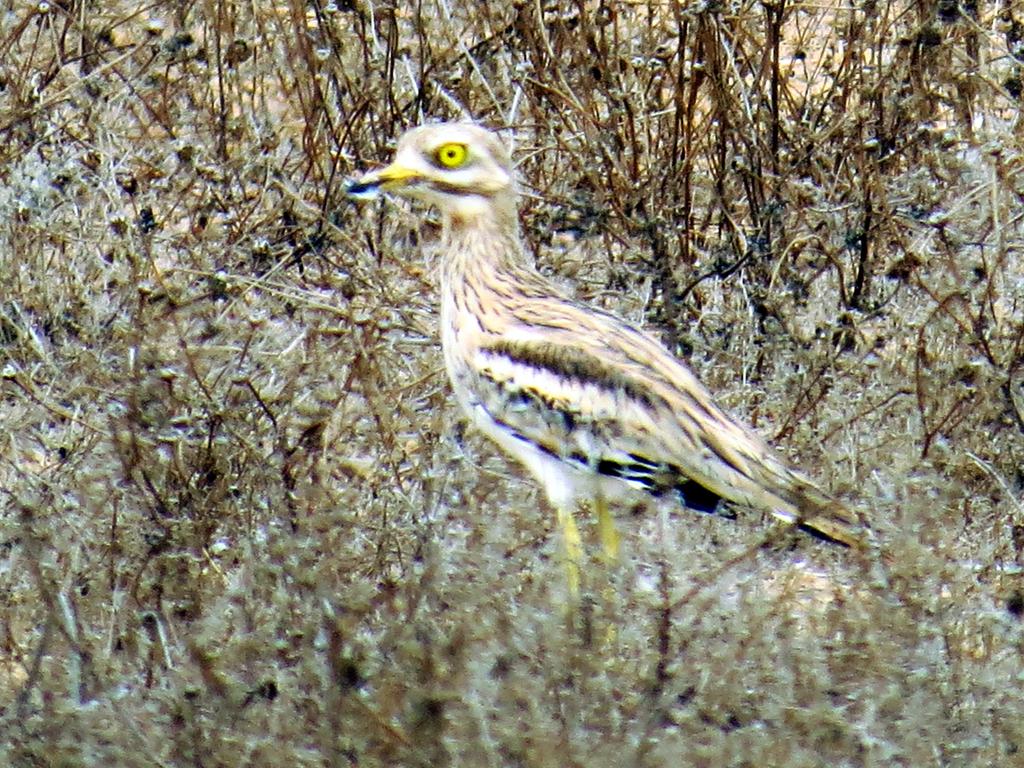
<point x="607" y="532"/>
<point x="573" y="545"/>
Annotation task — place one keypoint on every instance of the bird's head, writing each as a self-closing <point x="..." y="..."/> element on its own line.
<point x="461" y="168"/>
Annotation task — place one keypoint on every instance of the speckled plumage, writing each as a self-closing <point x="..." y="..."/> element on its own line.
<point x="595" y="408"/>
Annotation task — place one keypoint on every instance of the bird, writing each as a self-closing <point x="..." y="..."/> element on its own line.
<point x="596" y="409"/>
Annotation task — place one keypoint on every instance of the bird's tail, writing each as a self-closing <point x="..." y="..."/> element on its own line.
<point x="820" y="515"/>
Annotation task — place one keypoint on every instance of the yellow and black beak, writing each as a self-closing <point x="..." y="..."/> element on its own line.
<point x="394" y="176"/>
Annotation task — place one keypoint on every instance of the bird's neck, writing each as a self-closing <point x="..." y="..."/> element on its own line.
<point x="481" y="239"/>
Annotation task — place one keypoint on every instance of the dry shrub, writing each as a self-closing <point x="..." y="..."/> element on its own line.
<point x="241" y="523"/>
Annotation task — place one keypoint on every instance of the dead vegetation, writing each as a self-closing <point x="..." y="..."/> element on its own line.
<point x="240" y="523"/>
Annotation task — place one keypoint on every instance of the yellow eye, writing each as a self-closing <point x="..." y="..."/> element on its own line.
<point x="451" y="155"/>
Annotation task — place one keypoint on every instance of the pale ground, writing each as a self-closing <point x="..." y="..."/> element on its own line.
<point x="241" y="522"/>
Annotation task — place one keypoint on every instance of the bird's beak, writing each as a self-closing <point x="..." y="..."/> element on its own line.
<point x="394" y="176"/>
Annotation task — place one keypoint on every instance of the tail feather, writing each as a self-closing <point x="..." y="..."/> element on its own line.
<point x="823" y="516"/>
<point x="785" y="494"/>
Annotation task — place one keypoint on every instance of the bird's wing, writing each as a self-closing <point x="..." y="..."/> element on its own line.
<point x="584" y="386"/>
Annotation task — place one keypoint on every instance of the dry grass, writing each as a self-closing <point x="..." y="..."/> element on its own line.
<point x="240" y="524"/>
